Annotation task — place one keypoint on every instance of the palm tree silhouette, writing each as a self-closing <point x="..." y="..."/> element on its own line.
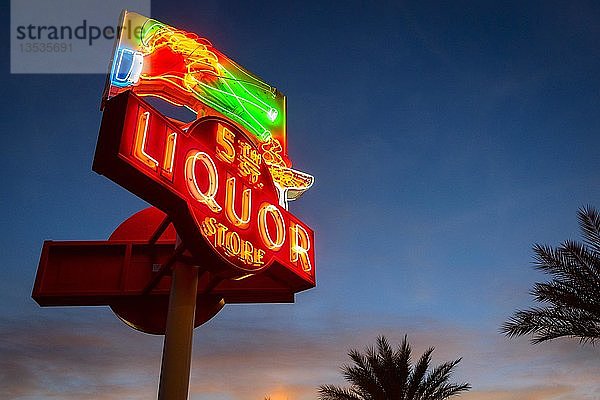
<point x="573" y="294"/>
<point x="388" y="374"/>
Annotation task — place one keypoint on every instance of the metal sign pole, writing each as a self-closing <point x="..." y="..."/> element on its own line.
<point x="177" y="348"/>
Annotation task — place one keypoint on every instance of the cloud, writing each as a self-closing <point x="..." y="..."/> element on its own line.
<point x="552" y="392"/>
<point x="250" y="352"/>
<point x="66" y="358"/>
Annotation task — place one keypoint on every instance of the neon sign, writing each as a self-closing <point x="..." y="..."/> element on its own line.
<point x="186" y="70"/>
<point x="212" y="179"/>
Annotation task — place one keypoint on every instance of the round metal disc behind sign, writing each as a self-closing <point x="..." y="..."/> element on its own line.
<point x="148" y="313"/>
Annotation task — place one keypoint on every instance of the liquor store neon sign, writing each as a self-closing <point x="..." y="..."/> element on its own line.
<point x="220" y="175"/>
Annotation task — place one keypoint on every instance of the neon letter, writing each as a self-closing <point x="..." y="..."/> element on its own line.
<point x="299" y="246"/>
<point x="265" y="235"/>
<point x="225" y="139"/>
<point x="243" y="221"/>
<point x="207" y="198"/>
<point x="139" y="150"/>
<point x="169" y="159"/>
<point x="234" y="243"/>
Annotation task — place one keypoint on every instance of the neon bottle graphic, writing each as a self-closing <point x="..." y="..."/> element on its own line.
<point x="186" y="70"/>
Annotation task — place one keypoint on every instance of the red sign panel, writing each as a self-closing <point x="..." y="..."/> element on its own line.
<point x="125" y="274"/>
<point x="212" y="181"/>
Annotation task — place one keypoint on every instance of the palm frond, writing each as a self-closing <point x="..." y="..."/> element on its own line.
<point x="437" y="378"/>
<point x="573" y="293"/>
<point x="362" y="375"/>
<point x="556" y="262"/>
<point x="449" y="389"/>
<point x="384" y="368"/>
<point x="418" y="374"/>
<point x="331" y="392"/>
<point x="589" y="221"/>
<point x="566" y="295"/>
<point x="403" y="361"/>
<point x="584" y="260"/>
<point x="551" y="323"/>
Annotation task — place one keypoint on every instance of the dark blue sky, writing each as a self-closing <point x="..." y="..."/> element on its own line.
<point x="445" y="138"/>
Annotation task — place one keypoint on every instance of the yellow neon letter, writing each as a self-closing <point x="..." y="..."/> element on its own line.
<point x="169" y="159"/>
<point x="243" y="221"/>
<point x="265" y="235"/>
<point x="207" y="198"/>
<point x="225" y="139"/>
<point x="234" y="243"/>
<point x="140" y="142"/>
<point x="299" y="246"/>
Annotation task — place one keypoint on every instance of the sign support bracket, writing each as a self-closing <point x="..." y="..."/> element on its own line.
<point x="165" y="268"/>
<point x="160" y="230"/>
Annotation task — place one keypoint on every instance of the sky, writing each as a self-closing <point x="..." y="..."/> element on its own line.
<point x="446" y="138"/>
